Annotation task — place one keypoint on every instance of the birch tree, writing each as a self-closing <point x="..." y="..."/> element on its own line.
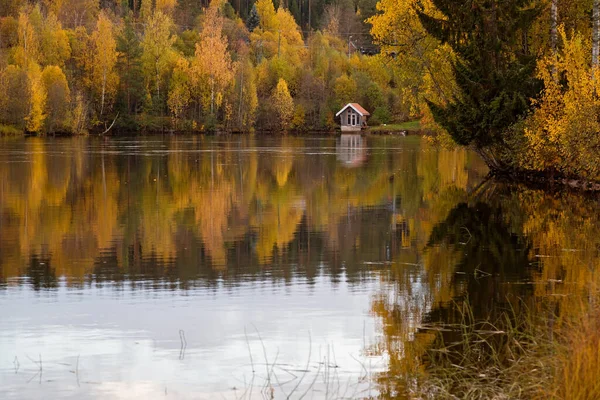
<point x="212" y="63"/>
<point x="34" y="121"/>
<point x="28" y="48"/>
<point x="283" y="103"/>
<point x="157" y="48"/>
<point x="104" y="77"/>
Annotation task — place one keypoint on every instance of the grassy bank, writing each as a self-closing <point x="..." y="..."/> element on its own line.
<point x="410" y="126"/>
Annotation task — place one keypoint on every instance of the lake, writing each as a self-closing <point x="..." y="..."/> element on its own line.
<point x="246" y="267"/>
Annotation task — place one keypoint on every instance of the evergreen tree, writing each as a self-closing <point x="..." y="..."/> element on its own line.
<point x="130" y="69"/>
<point x="253" y="20"/>
<point x="295" y="10"/>
<point x="494" y="70"/>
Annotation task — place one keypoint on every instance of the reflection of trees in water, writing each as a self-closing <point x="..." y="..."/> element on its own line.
<point x="510" y="252"/>
<point x="40" y="273"/>
<point x="491" y="255"/>
<point x="218" y="209"/>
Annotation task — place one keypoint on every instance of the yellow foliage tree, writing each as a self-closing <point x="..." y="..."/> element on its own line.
<point x="278" y="35"/>
<point x="28" y="48"/>
<point x="266" y="13"/>
<point x="562" y="133"/>
<point x="55" y="48"/>
<point x="246" y="92"/>
<point x="34" y="121"/>
<point x="212" y="63"/>
<point x="283" y="103"/>
<point x="104" y="76"/>
<point x="58" y="97"/>
<point x="156" y="46"/>
<point x="179" y="95"/>
<point x="422" y="67"/>
<point x="146" y="9"/>
<point x="166" y="6"/>
<point x="345" y="90"/>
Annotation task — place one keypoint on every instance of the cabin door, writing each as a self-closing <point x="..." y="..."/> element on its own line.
<point x="353" y="118"/>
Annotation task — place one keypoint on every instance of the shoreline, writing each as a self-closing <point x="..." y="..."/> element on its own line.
<point x="546" y="180"/>
<point x="551" y="181"/>
<point x="262" y="132"/>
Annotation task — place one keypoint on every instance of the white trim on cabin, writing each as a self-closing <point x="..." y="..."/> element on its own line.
<point x="351" y="106"/>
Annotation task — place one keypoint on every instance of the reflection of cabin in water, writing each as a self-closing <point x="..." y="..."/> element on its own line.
<point x="353" y="117"/>
<point x="351" y="150"/>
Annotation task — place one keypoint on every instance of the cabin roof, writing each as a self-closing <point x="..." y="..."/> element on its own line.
<point x="357" y="107"/>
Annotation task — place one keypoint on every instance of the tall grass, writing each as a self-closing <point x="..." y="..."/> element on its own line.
<point x="519" y="355"/>
<point x="577" y="373"/>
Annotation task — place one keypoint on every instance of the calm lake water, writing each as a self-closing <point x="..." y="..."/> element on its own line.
<point x="260" y="267"/>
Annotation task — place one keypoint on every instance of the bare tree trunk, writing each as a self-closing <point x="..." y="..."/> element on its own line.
<point x="596" y="33"/>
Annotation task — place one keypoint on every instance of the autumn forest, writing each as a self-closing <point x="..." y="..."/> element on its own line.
<point x="75" y="67"/>
<point x="174" y="167"/>
<point x="515" y="81"/>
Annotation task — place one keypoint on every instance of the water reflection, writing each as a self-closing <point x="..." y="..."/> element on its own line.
<point x="184" y="208"/>
<point x="504" y="253"/>
<point x="117" y="244"/>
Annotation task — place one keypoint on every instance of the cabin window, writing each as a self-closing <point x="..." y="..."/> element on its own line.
<point x="348" y="114"/>
<point x="353" y="118"/>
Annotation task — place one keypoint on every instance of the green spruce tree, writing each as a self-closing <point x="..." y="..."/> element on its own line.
<point x="295" y="10"/>
<point x="494" y="71"/>
<point x="129" y="65"/>
<point x="253" y="20"/>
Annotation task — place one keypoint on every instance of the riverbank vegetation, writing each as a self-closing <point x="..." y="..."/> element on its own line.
<point x="515" y="80"/>
<point x="78" y="66"/>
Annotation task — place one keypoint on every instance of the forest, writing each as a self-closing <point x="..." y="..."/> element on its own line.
<point x="514" y="80"/>
<point x="71" y="66"/>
